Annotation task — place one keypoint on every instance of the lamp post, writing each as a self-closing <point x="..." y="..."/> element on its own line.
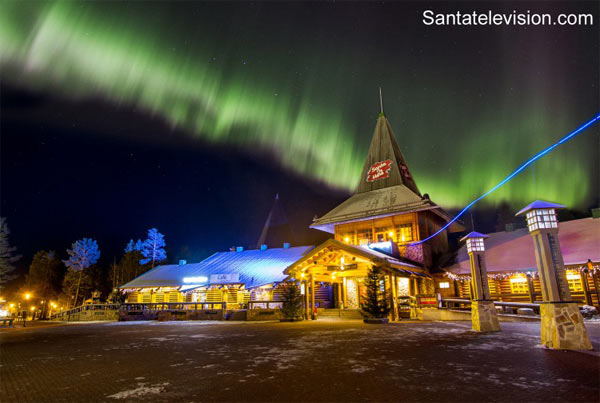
<point x="483" y="312"/>
<point x="562" y="324"/>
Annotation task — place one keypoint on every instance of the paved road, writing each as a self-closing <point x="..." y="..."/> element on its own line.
<point x="308" y="361"/>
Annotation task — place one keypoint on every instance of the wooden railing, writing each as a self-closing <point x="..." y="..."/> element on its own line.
<point x="454" y="303"/>
<point x="173" y="306"/>
<point x="264" y="304"/>
<point x="81" y="308"/>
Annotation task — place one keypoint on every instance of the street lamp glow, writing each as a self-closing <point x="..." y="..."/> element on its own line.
<point x="474" y="241"/>
<point x="27" y="296"/>
<point x="541" y="215"/>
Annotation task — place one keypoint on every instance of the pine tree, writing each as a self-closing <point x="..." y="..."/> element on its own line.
<point x="129" y="266"/>
<point x="153" y="248"/>
<point x="375" y="305"/>
<point x="83" y="254"/>
<point x="291" y="305"/>
<point x="45" y="276"/>
<point x="7" y="256"/>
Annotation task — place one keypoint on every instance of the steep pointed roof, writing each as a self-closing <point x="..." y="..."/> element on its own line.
<point x="386" y="186"/>
<point x="385" y="165"/>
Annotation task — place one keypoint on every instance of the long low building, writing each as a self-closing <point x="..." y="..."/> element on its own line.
<point x="512" y="270"/>
<point x="235" y="277"/>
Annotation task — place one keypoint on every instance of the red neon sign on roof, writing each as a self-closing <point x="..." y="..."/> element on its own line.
<point x="379" y="170"/>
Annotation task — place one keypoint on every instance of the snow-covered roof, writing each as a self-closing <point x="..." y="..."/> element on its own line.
<point x="254" y="267"/>
<point x="513" y="250"/>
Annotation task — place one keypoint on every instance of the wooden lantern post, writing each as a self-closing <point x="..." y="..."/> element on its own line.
<point x="562" y="325"/>
<point x="483" y="312"/>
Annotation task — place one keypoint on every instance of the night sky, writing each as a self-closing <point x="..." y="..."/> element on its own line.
<point x="189" y="117"/>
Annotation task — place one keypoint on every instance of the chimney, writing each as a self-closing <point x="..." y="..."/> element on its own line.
<point x="286" y="245"/>
<point x="239" y="249"/>
<point x="263" y="247"/>
<point x="182" y="262"/>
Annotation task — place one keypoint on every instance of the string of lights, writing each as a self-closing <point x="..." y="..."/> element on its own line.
<point x="539" y="155"/>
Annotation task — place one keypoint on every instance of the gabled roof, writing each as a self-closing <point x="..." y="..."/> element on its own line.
<point x="386" y="186"/>
<point x="255" y="268"/>
<point x="376" y="257"/>
<point x="513" y="250"/>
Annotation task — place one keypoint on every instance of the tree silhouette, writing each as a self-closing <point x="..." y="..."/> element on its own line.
<point x="83" y="254"/>
<point x="7" y="254"/>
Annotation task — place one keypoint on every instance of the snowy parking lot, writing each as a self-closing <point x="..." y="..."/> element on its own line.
<point x="307" y="361"/>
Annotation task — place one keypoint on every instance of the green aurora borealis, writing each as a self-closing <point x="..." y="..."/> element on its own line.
<point x="309" y="95"/>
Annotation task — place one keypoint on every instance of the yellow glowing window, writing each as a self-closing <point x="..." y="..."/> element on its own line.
<point x="574" y="281"/>
<point x="365" y="236"/>
<point x="382" y="234"/>
<point x="444" y="284"/>
<point x="518" y="285"/>
<point x="404" y="233"/>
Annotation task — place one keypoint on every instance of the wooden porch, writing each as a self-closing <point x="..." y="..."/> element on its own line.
<point x="343" y="267"/>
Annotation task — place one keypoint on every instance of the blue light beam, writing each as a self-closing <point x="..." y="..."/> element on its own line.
<point x="513" y="174"/>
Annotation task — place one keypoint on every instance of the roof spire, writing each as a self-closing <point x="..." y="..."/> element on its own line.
<point x="380" y="102"/>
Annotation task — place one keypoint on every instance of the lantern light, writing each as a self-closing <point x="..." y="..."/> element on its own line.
<point x="541" y="215"/>
<point x="474" y="241"/>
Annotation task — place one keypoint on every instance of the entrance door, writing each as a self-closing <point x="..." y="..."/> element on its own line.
<point x="351" y="294"/>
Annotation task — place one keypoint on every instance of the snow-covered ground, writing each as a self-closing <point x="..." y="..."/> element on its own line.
<point x="306" y="361"/>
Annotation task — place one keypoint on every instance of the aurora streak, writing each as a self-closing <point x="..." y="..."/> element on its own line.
<point x="83" y="51"/>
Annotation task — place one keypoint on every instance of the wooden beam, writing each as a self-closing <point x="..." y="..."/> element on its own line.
<point x="586" y="287"/>
<point x="395" y="313"/>
<point x="596" y="288"/>
<point x="530" y="289"/>
<point x="306" y="300"/>
<point x="312" y="297"/>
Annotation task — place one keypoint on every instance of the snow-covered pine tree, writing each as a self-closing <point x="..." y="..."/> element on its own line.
<point x="153" y="248"/>
<point x="7" y="254"/>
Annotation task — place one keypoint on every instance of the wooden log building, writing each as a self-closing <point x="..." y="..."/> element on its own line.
<point x="512" y="270"/>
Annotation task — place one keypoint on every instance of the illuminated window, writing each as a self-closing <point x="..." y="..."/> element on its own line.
<point x="382" y="234"/>
<point x="444" y="284"/>
<point x="365" y="236"/>
<point x="541" y="218"/>
<point x="404" y="233"/>
<point x="574" y="281"/>
<point x="475" y="245"/>
<point x="518" y="285"/>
